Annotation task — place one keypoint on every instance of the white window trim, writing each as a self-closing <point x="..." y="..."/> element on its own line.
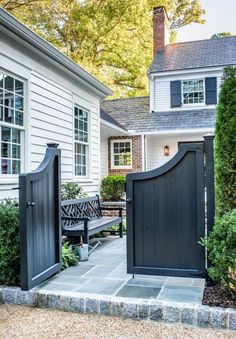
<point x="113" y="166"/>
<point x="13" y="178"/>
<point x="82" y="178"/>
<point x="199" y="104"/>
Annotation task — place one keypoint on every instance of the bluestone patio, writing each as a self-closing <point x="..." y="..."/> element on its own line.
<point x="105" y="274"/>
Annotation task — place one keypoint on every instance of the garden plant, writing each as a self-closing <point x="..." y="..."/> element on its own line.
<point x="112" y="188"/>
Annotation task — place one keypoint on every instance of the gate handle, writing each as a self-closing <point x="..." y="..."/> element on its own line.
<point x="30" y="204"/>
<point x="128" y="200"/>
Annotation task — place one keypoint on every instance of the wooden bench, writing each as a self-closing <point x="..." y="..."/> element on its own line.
<point x="83" y="217"/>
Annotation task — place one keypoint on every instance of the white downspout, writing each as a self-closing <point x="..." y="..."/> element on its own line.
<point x="144" y="153"/>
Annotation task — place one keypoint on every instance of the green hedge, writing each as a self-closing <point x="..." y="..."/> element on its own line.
<point x="221" y="246"/>
<point x="112" y="187"/>
<point x="9" y="244"/>
<point x="71" y="190"/>
<point x="225" y="144"/>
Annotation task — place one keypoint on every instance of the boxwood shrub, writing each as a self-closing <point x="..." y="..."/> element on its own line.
<point x="112" y="187"/>
<point x="71" y="190"/>
<point x="221" y="246"/>
<point x="9" y="244"/>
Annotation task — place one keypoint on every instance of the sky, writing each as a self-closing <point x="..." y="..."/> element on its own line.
<point x="220" y="17"/>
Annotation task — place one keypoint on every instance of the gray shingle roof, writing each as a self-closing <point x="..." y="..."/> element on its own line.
<point x="195" y="54"/>
<point x="108" y="118"/>
<point x="133" y="114"/>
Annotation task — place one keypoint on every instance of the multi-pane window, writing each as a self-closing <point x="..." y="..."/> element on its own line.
<point x="10" y="150"/>
<point x="11" y="122"/>
<point x="121" y="153"/>
<point x="11" y="100"/>
<point x="81" y="134"/>
<point x="193" y="92"/>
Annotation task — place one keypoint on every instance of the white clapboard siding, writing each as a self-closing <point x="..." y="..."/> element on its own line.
<point x="7" y="191"/>
<point x="155" y="148"/>
<point x="162" y="101"/>
<point x="52" y="121"/>
<point x="50" y="98"/>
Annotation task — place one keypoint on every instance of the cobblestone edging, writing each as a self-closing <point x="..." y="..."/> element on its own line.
<point x="188" y="314"/>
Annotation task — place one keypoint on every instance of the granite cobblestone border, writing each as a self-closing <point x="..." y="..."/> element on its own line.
<point x="187" y="314"/>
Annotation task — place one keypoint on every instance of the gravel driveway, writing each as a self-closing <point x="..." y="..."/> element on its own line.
<point x="25" y="322"/>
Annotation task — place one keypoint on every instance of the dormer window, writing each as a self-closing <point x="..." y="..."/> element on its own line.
<point x="193" y="92"/>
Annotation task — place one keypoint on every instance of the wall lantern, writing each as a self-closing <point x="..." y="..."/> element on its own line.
<point x="166" y="151"/>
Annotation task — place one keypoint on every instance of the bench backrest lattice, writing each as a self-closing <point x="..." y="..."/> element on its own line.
<point x="82" y="208"/>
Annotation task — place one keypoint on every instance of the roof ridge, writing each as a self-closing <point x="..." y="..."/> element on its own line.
<point x="127" y="98"/>
<point x="209" y="39"/>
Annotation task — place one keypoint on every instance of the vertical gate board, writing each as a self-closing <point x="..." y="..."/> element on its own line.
<point x="40" y="221"/>
<point x="166" y="216"/>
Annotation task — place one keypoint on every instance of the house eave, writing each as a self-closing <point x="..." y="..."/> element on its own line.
<point x="187" y="70"/>
<point x="57" y="58"/>
<point x="175" y="131"/>
<point x="114" y="127"/>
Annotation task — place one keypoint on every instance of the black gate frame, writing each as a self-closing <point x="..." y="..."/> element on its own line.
<point x="51" y="162"/>
<point x="207" y="147"/>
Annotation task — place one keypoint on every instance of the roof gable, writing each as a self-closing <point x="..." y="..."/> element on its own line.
<point x="195" y="54"/>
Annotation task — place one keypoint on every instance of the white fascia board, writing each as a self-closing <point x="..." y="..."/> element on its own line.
<point x="187" y="71"/>
<point x="41" y="46"/>
<point x="176" y="131"/>
<point x="116" y="128"/>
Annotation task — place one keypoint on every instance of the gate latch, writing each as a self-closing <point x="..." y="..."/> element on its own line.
<point x="128" y="200"/>
<point x="30" y="204"/>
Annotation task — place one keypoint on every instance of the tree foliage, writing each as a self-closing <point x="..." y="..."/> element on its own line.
<point x="221" y="35"/>
<point x="111" y="39"/>
<point x="225" y="144"/>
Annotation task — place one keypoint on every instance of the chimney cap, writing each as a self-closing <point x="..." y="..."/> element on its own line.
<point x="160" y="9"/>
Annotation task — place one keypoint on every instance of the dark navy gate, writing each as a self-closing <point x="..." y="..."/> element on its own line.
<point x="40" y="220"/>
<point x="169" y="210"/>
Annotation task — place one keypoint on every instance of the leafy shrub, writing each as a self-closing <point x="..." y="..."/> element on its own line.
<point x="71" y="190"/>
<point x="68" y="257"/>
<point x="112" y="187"/>
<point x="225" y="144"/>
<point x="9" y="243"/>
<point x="221" y="246"/>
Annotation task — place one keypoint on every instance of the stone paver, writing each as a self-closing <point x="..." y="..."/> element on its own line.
<point x="105" y="273"/>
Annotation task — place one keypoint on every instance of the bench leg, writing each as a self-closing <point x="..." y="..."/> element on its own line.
<point x="121" y="229"/>
<point x="86" y="236"/>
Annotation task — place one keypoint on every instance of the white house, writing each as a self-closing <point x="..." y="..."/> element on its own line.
<point x="184" y="83"/>
<point x="45" y="97"/>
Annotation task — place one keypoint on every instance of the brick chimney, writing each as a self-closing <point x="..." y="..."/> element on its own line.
<point x="161" y="29"/>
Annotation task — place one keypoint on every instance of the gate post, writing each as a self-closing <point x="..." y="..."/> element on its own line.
<point x="210" y="180"/>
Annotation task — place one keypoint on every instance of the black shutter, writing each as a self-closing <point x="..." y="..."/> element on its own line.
<point x="211" y="91"/>
<point x="175" y="90"/>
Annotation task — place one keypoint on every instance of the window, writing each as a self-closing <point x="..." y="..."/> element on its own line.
<point x="81" y="135"/>
<point x="121" y="153"/>
<point x="11" y="122"/>
<point x="193" y="92"/>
